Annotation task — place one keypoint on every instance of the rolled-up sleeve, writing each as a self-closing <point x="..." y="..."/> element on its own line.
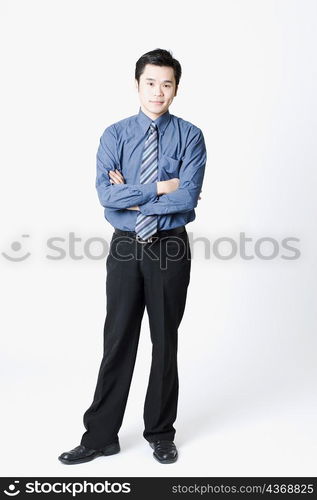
<point x="191" y="176"/>
<point x="117" y="196"/>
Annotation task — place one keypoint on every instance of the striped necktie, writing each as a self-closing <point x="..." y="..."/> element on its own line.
<point x="146" y="225"/>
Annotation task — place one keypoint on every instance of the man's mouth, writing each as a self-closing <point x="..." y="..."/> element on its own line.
<point x="157" y="102"/>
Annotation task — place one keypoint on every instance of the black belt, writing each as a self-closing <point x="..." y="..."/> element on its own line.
<point x="158" y="234"/>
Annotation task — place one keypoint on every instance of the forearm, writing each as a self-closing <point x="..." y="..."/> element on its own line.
<point x="180" y="201"/>
<point x="117" y="195"/>
<point x="121" y="196"/>
<point x="162" y="187"/>
<point x="185" y="198"/>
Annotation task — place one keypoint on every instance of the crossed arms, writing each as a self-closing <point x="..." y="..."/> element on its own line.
<point x="175" y="195"/>
<point x="163" y="187"/>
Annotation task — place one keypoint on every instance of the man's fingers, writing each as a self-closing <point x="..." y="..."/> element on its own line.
<point x="119" y="173"/>
<point x="116" y="177"/>
<point x="116" y="171"/>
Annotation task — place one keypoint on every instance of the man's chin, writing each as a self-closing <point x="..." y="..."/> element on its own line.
<point x="157" y="109"/>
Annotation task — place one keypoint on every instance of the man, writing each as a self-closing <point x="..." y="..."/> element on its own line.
<point x="150" y="169"/>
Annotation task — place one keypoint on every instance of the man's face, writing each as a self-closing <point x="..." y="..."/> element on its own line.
<point x="157" y="89"/>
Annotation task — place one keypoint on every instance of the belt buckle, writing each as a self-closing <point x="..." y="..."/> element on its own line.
<point x="141" y="240"/>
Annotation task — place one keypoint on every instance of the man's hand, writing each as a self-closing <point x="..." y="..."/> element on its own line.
<point x="165" y="187"/>
<point x="116" y="177"/>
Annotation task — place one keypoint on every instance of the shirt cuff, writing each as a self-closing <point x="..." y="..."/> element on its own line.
<point x="149" y="192"/>
<point x="147" y="208"/>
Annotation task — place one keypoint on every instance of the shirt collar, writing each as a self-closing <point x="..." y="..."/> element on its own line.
<point x="161" y="122"/>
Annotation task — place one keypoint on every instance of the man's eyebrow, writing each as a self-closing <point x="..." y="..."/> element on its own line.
<point x="164" y="81"/>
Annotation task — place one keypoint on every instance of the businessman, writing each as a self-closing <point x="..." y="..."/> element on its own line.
<point x="150" y="170"/>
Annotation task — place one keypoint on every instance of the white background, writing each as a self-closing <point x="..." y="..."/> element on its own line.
<point x="247" y="343"/>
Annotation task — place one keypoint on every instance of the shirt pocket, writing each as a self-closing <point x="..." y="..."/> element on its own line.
<point x="170" y="166"/>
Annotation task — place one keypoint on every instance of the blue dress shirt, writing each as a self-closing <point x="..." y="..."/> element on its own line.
<point x="181" y="153"/>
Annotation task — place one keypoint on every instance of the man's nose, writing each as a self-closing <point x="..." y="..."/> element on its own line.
<point x="158" y="91"/>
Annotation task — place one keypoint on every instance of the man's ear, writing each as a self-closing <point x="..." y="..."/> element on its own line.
<point x="136" y="84"/>
<point x="176" y="91"/>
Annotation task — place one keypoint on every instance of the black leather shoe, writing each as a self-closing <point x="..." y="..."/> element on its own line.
<point x="165" y="452"/>
<point x="81" y="454"/>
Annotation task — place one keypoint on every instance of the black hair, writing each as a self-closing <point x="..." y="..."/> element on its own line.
<point x="159" y="57"/>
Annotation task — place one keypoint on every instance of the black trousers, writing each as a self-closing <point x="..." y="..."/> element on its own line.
<point x="156" y="276"/>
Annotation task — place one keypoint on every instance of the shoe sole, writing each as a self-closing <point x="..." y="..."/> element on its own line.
<point x="110" y="451"/>
<point x="169" y="461"/>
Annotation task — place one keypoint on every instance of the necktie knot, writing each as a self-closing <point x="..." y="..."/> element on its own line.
<point x="152" y="127"/>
